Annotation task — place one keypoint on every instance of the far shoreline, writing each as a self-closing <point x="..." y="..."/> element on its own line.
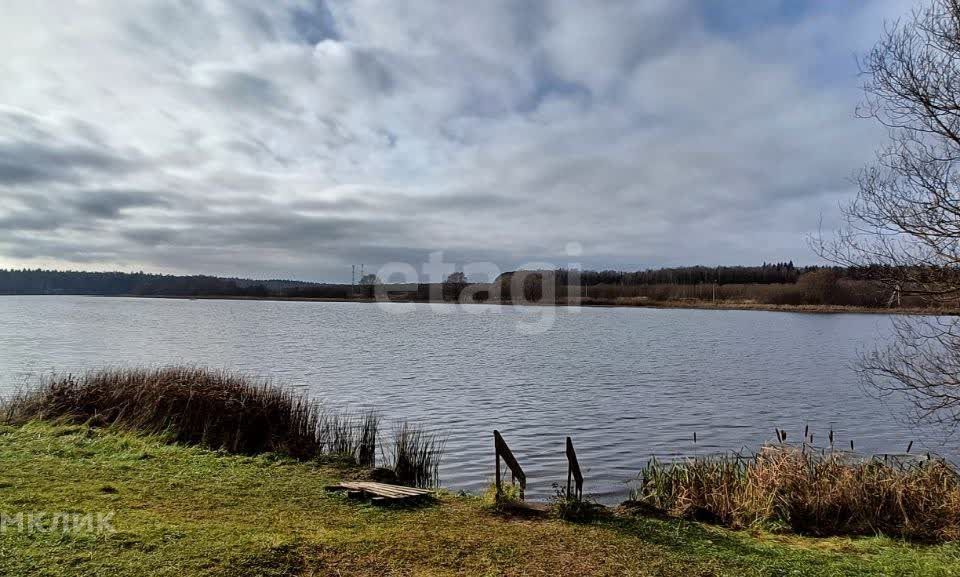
<point x="691" y="304"/>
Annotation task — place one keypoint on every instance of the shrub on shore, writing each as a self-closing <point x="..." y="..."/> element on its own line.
<point x="506" y="500"/>
<point x="571" y="507"/>
<point x="224" y="410"/>
<point x="819" y="493"/>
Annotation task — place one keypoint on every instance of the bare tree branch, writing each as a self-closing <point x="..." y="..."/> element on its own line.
<point x="904" y="224"/>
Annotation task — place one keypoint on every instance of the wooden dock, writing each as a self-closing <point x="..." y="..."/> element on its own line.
<point x="380" y="492"/>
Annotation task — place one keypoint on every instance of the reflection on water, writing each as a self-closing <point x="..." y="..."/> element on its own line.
<point x="626" y="384"/>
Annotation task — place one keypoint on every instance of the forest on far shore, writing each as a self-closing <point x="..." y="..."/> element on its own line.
<point x="39" y="281"/>
<point x="770" y="284"/>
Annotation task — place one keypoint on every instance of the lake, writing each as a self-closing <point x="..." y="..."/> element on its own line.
<point x="625" y="383"/>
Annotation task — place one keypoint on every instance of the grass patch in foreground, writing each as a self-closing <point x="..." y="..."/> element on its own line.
<point x="185" y="511"/>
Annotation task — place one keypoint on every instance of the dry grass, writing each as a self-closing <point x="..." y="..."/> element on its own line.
<point x="217" y="409"/>
<point x="224" y="410"/>
<point x="820" y="493"/>
<point x="846" y="292"/>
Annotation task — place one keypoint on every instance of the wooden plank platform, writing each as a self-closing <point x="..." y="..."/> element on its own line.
<point x="380" y="492"/>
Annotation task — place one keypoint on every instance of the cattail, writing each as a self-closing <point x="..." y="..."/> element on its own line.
<point x="831" y="437"/>
<point x="851" y="444"/>
<point x="909" y="446"/>
<point x="694" y="436"/>
<point x="806" y="431"/>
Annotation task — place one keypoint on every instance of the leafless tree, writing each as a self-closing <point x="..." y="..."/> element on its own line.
<point x="455" y="284"/>
<point x="904" y="224"/>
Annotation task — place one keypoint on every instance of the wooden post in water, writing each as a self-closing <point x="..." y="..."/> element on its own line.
<point x="516" y="473"/>
<point x="573" y="471"/>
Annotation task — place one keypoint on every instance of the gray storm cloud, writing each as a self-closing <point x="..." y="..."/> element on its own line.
<point x="292" y="138"/>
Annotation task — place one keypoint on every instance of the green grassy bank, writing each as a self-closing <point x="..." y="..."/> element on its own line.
<point x="190" y="511"/>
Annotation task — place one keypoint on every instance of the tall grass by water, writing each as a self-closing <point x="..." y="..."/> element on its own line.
<point x="416" y="455"/>
<point x="819" y="492"/>
<point x="222" y="410"/>
<point x="350" y="436"/>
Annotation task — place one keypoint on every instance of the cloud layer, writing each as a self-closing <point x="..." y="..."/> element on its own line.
<point x="292" y="138"/>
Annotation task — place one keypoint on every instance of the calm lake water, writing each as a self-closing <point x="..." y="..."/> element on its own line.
<point x="625" y="383"/>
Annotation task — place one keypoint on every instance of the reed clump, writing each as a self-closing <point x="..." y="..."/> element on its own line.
<point x="213" y="408"/>
<point x="353" y="437"/>
<point x="813" y="492"/>
<point x="224" y="410"/>
<point x="415" y="456"/>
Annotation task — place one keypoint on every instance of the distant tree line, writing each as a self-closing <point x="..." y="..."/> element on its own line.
<point x="38" y="281"/>
<point x="777" y="283"/>
<point x="833" y="286"/>
<point x="320" y="291"/>
<point x="767" y="273"/>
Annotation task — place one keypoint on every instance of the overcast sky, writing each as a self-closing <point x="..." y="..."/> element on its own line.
<point x="293" y="138"/>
